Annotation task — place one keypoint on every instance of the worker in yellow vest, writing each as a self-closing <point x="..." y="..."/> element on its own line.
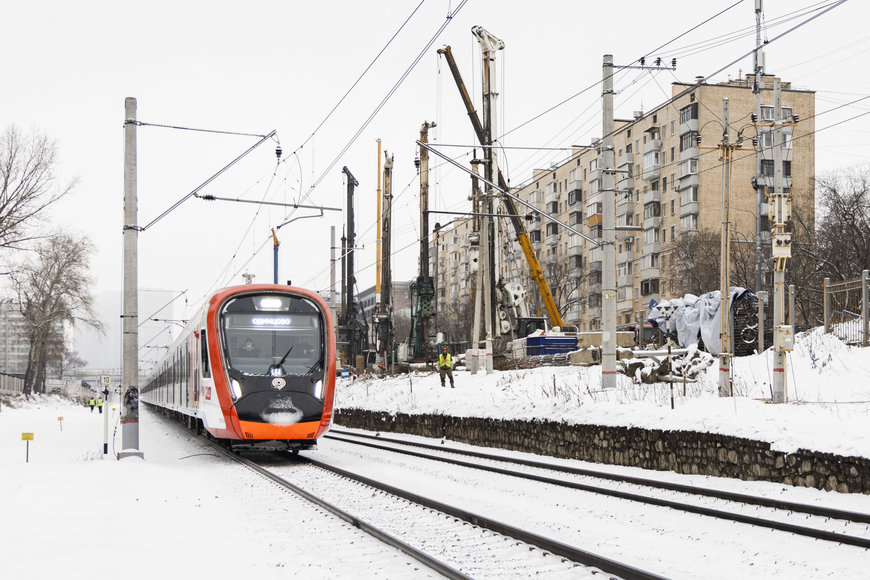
<point x="91" y="403"/>
<point x="445" y="366"/>
<point x="100" y="404"/>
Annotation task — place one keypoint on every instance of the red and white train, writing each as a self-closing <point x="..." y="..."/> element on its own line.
<point x="255" y="367"/>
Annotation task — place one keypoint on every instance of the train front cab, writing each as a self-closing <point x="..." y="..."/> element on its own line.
<point x="276" y="348"/>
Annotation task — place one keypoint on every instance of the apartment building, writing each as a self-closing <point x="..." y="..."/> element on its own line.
<point x="670" y="184"/>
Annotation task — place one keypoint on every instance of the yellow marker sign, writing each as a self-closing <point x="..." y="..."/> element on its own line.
<point x="27" y="436"/>
<point x="60" y="418"/>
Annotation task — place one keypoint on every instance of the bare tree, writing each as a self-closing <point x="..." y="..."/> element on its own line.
<point x="27" y="184"/>
<point x="53" y="289"/>
<point x="843" y="232"/>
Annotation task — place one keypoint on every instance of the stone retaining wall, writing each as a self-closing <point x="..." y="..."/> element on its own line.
<point x="685" y="452"/>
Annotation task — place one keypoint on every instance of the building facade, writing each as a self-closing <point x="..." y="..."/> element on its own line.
<point x="669" y="184"/>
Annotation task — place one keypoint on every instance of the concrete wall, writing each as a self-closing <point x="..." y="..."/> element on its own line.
<point x="679" y="451"/>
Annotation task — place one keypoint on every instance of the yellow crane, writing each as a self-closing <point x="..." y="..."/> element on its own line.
<point x="516" y="221"/>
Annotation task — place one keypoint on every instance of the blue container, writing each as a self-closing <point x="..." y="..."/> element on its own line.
<point x="537" y="345"/>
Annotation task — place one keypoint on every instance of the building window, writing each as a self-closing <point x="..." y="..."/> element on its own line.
<point x="651" y="160"/>
<point x="689" y="113"/>
<point x="652" y="210"/>
<point x="651" y="236"/>
<point x="575" y="196"/>
<point x="688" y="167"/>
<point x="688" y="140"/>
<point x="553" y="207"/>
<point x="673" y="129"/>
<point x="648" y="287"/>
<point x="552" y="229"/>
<point x="595" y="232"/>
<point x="767" y="113"/>
<point x="689" y="223"/>
<point x="535" y="236"/>
<point x="689" y="195"/>
<point x="575" y="218"/>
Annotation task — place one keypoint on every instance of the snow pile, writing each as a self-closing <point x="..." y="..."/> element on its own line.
<point x="828" y="393"/>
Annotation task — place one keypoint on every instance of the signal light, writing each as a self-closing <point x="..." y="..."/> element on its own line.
<point x="753" y="117"/>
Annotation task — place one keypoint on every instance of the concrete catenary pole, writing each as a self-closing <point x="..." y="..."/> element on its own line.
<point x="608" y="190"/>
<point x="425" y="285"/>
<point x="780" y="258"/>
<point x="758" y="86"/>
<point x="489" y="46"/>
<point x="378" y="236"/>
<point x="725" y="260"/>
<point x="130" y="309"/>
<point x="385" y="305"/>
<point x="477" y="281"/>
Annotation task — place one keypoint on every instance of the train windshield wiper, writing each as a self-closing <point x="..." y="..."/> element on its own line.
<point x="277" y="366"/>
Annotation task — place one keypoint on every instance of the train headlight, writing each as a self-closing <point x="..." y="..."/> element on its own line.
<point x="271" y="303"/>
<point x="318" y="389"/>
<point x="237" y="389"/>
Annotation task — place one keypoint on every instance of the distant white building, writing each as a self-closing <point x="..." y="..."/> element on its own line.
<point x="14" y="346"/>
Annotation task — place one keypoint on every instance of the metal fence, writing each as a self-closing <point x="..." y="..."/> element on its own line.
<point x="846" y="305"/>
<point x="11" y="383"/>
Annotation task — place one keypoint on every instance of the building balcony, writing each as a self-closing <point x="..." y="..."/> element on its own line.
<point x="649" y="298"/>
<point x="625" y="280"/>
<point x="595" y="175"/>
<point x="625" y="205"/>
<point x="594" y="220"/>
<point x="625" y="159"/>
<point x="688" y="180"/>
<point x="690" y="153"/>
<point x="551" y="196"/>
<point x="596" y="254"/>
<point x="594" y="288"/>
<point x="594" y="311"/>
<point x="652" y="222"/>
<point x="551" y="239"/>
<point x="650" y="173"/>
<point x="650" y="272"/>
<point x="652" y="145"/>
<point x="652" y="248"/>
<point x="575" y="249"/>
<point x="575" y="185"/>
<point x="595" y="266"/>
<point x="626" y="256"/>
<point x="689" y="208"/>
<point x="689" y="126"/>
<point x="652" y="196"/>
<point x="625" y="184"/>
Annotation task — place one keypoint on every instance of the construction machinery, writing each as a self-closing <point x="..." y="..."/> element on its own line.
<point x="516" y="220"/>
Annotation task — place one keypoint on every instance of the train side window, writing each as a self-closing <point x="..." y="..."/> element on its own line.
<point x="203" y="341"/>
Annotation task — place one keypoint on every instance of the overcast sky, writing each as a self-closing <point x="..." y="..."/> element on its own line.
<point x="277" y="65"/>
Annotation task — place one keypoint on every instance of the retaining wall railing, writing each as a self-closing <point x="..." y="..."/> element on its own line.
<point x="846" y="309"/>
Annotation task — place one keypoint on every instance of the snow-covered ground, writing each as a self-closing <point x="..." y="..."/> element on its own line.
<point x="828" y="393"/>
<point x="74" y="513"/>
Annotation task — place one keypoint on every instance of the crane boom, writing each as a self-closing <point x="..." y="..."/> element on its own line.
<point x="536" y="272"/>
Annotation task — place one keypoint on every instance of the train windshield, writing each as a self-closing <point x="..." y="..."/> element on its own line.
<point x="273" y="334"/>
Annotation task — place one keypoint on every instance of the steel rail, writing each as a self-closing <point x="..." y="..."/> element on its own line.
<point x="373" y="531"/>
<point x="572" y="553"/>
<point x="833" y="513"/>
<point x="705" y="511"/>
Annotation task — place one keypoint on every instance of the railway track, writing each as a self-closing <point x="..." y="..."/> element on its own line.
<point x="449" y="540"/>
<point x="784" y="510"/>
